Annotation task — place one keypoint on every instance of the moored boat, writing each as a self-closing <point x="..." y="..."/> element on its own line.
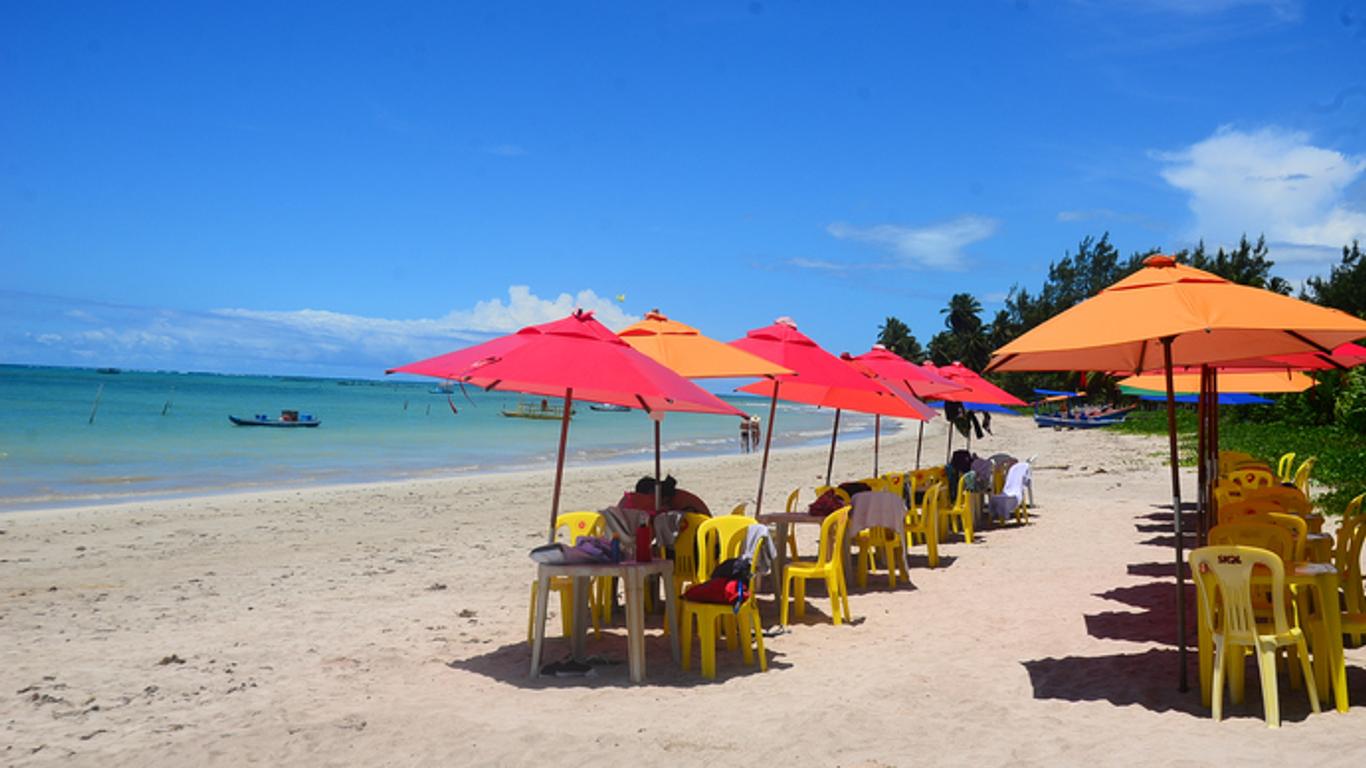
<point x="287" y="419"/>
<point x="609" y="407"/>
<point x="545" y="410"/>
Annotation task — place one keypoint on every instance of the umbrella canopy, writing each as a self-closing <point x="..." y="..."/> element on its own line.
<point x="1227" y="380"/>
<point x="1224" y="398"/>
<point x="685" y="351"/>
<point x="1208" y="319"/>
<point x="573" y="357"/>
<point x="1177" y="315"/>
<point x="1342" y="356"/>
<point x="973" y="388"/>
<point x="819" y="378"/>
<point x="920" y="381"/>
<point x="577" y="353"/>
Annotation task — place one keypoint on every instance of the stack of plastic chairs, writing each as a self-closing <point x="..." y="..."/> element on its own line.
<point x="1285" y="467"/>
<point x="1224" y="579"/>
<point x="1301" y="480"/>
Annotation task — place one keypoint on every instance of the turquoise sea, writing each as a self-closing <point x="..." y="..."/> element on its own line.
<point x="158" y="434"/>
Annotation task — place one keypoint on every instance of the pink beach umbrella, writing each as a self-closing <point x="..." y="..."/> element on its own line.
<point x="573" y="357"/>
<point x="918" y="380"/>
<point x="820" y="379"/>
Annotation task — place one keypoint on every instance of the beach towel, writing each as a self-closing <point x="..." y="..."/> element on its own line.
<point x="1003" y="504"/>
<point x="758" y="550"/>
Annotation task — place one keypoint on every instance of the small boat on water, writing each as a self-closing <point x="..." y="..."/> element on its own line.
<point x="609" y="407"/>
<point x="287" y="419"/>
<point x="545" y="410"/>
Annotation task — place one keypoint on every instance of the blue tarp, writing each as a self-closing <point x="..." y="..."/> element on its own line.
<point x="1225" y="398"/>
<point x="1058" y="393"/>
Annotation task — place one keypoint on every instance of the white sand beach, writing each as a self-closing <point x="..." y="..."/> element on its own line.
<point x="385" y="625"/>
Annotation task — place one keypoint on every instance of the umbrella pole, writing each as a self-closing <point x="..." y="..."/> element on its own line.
<point x="659" y="492"/>
<point x="919" y="440"/>
<point x="948" y="449"/>
<point x="1176" y="517"/>
<point x="559" y="462"/>
<point x="1201" y="448"/>
<point x="1213" y="448"/>
<point x="768" y="441"/>
<point x="877" y="435"/>
<point x="834" y="435"/>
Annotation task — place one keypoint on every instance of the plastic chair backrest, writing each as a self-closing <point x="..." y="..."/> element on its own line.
<point x="576" y="524"/>
<point x="1289" y="497"/>
<point x="1253" y="532"/>
<point x="1351" y="520"/>
<point x="1239" y="508"/>
<point x="961" y="502"/>
<point x="1227" y="494"/>
<point x="894" y="482"/>
<point x="793" y="499"/>
<point x="716" y="541"/>
<point x="1302" y="475"/>
<point x="832" y="536"/>
<point x="739" y="509"/>
<point x="685" y="546"/>
<point x="1252" y="477"/>
<point x="1224" y="573"/>
<point x="1285" y="467"/>
<point x="934" y="497"/>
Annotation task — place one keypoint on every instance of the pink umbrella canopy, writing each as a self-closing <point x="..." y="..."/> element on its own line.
<point x="573" y="357"/>
<point x="975" y="388"/>
<point x="575" y="353"/>
<point x="921" y="382"/>
<point x="820" y="378"/>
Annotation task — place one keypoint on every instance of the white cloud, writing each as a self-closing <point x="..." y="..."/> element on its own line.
<point x="1270" y="181"/>
<point x="1286" y="10"/>
<point x="938" y="246"/>
<point x="45" y="330"/>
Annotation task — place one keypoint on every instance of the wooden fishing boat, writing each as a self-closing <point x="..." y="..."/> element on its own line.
<point x="287" y="419"/>
<point x="543" y="411"/>
<point x="609" y="407"/>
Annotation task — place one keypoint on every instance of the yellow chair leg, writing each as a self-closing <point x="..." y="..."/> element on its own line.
<point x="685" y="638"/>
<point x="706" y="636"/>
<point x="782" y="606"/>
<point x="759" y="638"/>
<point x="832" y="587"/>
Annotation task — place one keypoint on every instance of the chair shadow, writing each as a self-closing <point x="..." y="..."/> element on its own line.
<point x="1148" y="680"/>
<point x="1155" y="623"/>
<point x="510" y="663"/>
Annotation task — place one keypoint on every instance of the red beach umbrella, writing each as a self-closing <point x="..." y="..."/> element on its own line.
<point x="919" y="380"/>
<point x="573" y="357"/>
<point x="820" y="379"/>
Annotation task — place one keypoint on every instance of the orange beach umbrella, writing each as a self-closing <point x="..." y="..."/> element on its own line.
<point x="1227" y="380"/>
<point x="685" y="351"/>
<point x="1178" y="315"/>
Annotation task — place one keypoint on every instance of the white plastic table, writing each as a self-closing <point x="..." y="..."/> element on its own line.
<point x="633" y="575"/>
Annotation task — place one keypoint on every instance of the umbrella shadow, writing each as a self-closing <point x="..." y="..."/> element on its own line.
<point x="510" y="664"/>
<point x="1158" y="570"/>
<point x="1155" y="623"/>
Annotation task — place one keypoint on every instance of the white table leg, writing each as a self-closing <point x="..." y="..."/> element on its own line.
<point x="582" y="584"/>
<point x="538" y="636"/>
<point x="635" y="625"/>
<point x="671" y="614"/>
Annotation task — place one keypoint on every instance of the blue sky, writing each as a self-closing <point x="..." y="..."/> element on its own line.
<point x="339" y="188"/>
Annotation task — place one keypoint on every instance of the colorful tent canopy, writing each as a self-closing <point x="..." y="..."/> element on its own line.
<point x="1225" y="398"/>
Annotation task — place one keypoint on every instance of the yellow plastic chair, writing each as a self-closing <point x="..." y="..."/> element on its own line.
<point x="726" y="536"/>
<point x="1301" y="480"/>
<point x="894" y="482"/>
<point x="1223" y="577"/>
<point x="1271" y="514"/>
<point x="1254" y="532"/>
<point x="872" y="540"/>
<point x="793" y="507"/>
<point x="1289" y="497"/>
<point x="1351" y="518"/>
<point x="1349" y="567"/>
<point x="1285" y="467"/>
<point x="959" y="516"/>
<point x="573" y="525"/>
<point x="685" y="553"/>
<point x="828" y="565"/>
<point x="922" y="524"/>
<point x="739" y="509"/>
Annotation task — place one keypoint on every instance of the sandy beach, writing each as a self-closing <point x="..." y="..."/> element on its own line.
<point x="385" y="625"/>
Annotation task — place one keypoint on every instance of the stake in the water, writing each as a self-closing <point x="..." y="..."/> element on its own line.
<point x="96" y="406"/>
<point x="167" y="407"/>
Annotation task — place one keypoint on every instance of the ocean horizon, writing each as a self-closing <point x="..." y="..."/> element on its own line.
<point x="90" y="436"/>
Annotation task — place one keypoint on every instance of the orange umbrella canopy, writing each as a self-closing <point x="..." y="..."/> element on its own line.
<point x="1208" y="318"/>
<point x="684" y="350"/>
<point x="1253" y="382"/>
